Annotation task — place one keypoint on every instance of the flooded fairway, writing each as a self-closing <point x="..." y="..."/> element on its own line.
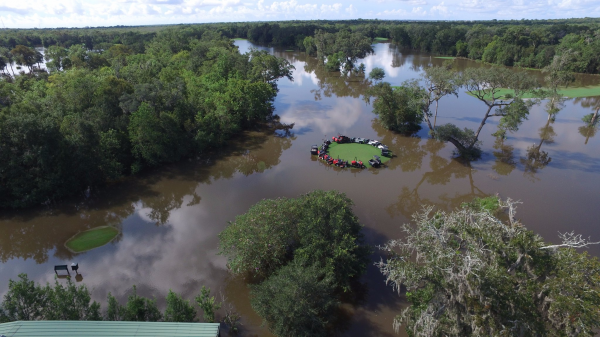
<point x="169" y="219"/>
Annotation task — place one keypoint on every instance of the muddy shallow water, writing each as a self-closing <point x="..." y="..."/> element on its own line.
<point x="170" y="218"/>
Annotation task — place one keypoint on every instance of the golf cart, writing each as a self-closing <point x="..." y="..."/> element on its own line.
<point x="375" y="162"/>
<point x="314" y="149"/>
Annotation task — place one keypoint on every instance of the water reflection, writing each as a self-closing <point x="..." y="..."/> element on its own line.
<point x="410" y="201"/>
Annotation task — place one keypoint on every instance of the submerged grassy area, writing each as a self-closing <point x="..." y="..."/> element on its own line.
<point x="238" y="38"/>
<point x="349" y="151"/>
<point x="566" y="92"/>
<point x="381" y="39"/>
<point x="445" y="57"/>
<point x="91" y="239"/>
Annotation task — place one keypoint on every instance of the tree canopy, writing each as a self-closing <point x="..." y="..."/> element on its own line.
<point x="469" y="273"/>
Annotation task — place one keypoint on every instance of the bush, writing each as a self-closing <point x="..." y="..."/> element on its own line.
<point x="296" y="301"/>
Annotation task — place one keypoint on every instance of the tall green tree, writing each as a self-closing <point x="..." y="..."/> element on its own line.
<point x="296" y="301"/>
<point x="399" y="109"/>
<point x="178" y="309"/>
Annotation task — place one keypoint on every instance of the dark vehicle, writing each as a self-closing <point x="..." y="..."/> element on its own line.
<point x="385" y="151"/>
<point x="375" y="162"/>
<point x="314" y="149"/>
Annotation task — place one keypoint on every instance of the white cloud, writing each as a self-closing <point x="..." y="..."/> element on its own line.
<point x="441" y="9"/>
<point x="77" y="13"/>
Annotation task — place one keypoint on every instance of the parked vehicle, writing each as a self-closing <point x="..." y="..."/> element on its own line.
<point x="375" y="162"/>
<point x="314" y="149"/>
<point x="374" y="142"/>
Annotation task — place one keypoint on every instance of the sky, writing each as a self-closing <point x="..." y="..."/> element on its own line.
<point x="93" y="13"/>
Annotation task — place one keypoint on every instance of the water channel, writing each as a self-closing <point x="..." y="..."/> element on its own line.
<point x="170" y="218"/>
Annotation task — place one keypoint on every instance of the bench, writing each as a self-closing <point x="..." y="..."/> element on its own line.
<point x="61" y="267"/>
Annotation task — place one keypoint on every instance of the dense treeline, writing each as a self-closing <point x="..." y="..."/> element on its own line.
<point x="101" y="115"/>
<point x="28" y="301"/>
<point x="524" y="43"/>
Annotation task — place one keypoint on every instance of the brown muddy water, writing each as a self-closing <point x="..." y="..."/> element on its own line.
<point x="170" y="218"/>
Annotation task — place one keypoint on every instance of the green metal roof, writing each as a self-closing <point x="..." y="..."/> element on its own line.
<point x="107" y="328"/>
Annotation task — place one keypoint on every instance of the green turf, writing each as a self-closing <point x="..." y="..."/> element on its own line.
<point x="289" y="50"/>
<point x="348" y="151"/>
<point x="238" y="38"/>
<point x="381" y="39"/>
<point x="445" y="57"/>
<point x="566" y="92"/>
<point x="91" y="239"/>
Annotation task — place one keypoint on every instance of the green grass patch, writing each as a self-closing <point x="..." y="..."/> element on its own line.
<point x="381" y="39"/>
<point x="238" y="39"/>
<point x="490" y="204"/>
<point x="349" y="151"/>
<point x="289" y="50"/>
<point x="445" y="57"/>
<point x="566" y="92"/>
<point x="91" y="239"/>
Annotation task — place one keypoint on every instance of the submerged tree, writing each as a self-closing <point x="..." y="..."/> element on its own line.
<point x="487" y="85"/>
<point x="399" y="109"/>
<point x="468" y="273"/>
<point x="439" y="82"/>
<point x="557" y="76"/>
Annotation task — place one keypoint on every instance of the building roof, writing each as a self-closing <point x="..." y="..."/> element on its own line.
<point x="107" y="328"/>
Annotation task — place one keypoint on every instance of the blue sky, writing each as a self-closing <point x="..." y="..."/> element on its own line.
<point x="81" y="13"/>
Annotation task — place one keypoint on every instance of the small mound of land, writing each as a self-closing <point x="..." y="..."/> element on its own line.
<point x="445" y="57"/>
<point x="91" y="239"/>
<point x="349" y="151"/>
<point x="381" y="39"/>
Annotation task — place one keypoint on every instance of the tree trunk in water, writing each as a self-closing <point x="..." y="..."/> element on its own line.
<point x="458" y="145"/>
<point x="435" y="118"/>
<point x="487" y="114"/>
<point x="595" y="116"/>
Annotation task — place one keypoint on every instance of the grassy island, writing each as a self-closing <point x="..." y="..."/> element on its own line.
<point x="91" y="239"/>
<point x="348" y="152"/>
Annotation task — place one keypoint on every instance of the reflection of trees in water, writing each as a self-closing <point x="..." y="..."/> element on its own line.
<point x="589" y="130"/>
<point x="536" y="159"/>
<point x="33" y="233"/>
<point x="409" y="201"/>
<point x="505" y="162"/>
<point x="408" y="154"/>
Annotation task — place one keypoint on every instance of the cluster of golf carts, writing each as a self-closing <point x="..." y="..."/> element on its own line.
<point x="323" y="154"/>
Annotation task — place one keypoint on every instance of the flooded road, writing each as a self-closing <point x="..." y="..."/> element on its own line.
<point x="170" y="218"/>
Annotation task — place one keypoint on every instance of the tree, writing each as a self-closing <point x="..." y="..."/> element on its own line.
<point x="399" y="109"/>
<point x="439" y="82"/>
<point x="70" y="303"/>
<point x="319" y="227"/>
<point x="141" y="309"/>
<point x="344" y="47"/>
<point x="296" y="301"/>
<point x="377" y="74"/>
<point x="468" y="273"/>
<point x="486" y="85"/>
<point x="54" y="57"/>
<point x="24" y="300"/>
<point x="557" y="76"/>
<point x="178" y="309"/>
<point x="208" y="304"/>
<point x="25" y="56"/>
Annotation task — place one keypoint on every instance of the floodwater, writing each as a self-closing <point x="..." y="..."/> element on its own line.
<point x="170" y="217"/>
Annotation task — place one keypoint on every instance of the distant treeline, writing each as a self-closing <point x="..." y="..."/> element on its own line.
<point x="523" y="43"/>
